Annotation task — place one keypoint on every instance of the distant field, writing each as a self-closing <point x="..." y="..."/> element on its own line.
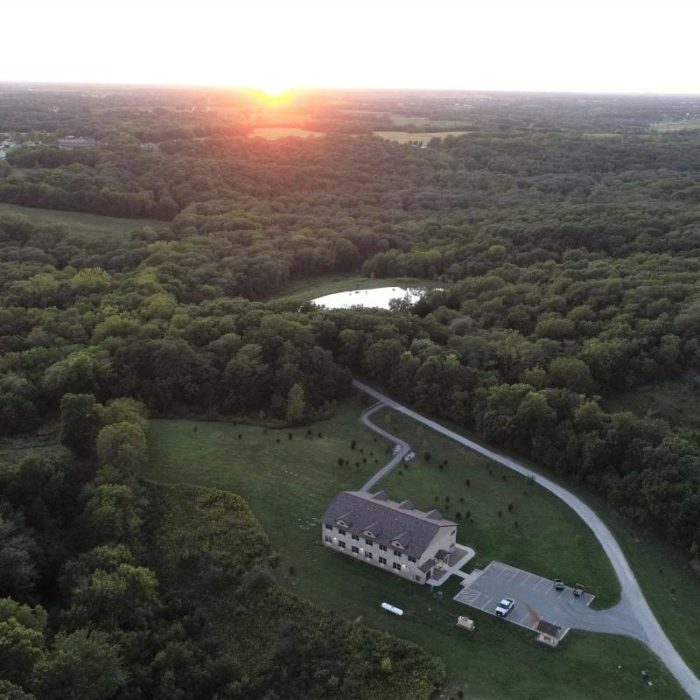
<point x="81" y="224"/>
<point x="674" y="401"/>
<point x="280" y="132"/>
<point x="676" y="126"/>
<point x="428" y="124"/>
<point x="313" y="288"/>
<point x="422" y="136"/>
<point x="288" y="484"/>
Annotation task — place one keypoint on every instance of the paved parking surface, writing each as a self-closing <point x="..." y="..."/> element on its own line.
<point x="536" y="598"/>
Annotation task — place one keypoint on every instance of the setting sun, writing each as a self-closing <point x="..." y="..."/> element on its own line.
<point x="272" y="96"/>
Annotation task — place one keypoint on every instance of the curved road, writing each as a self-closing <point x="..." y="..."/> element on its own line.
<point x="632" y="597"/>
<point x="396" y="459"/>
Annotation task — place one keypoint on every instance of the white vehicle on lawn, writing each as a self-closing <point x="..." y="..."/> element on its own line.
<point x="504" y="607"/>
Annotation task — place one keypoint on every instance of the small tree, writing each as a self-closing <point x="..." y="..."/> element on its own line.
<point x="80" y="421"/>
<point x="296" y="405"/>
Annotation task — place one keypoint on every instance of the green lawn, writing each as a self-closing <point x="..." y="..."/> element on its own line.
<point x="81" y="224"/>
<point x="501" y="514"/>
<point x="670" y="586"/>
<point x="288" y="483"/>
<point x="313" y="288"/>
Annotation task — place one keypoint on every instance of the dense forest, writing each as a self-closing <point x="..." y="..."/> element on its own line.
<point x="562" y="234"/>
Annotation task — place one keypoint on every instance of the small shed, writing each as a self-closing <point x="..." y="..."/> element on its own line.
<point x="548" y="633"/>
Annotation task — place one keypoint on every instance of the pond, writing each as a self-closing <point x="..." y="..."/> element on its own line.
<point x="369" y="298"/>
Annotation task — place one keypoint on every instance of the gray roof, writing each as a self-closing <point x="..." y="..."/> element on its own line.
<point x="426" y="566"/>
<point x="548" y="628"/>
<point x="388" y="520"/>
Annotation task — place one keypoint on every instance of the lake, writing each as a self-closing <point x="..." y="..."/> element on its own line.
<point x="369" y="298"/>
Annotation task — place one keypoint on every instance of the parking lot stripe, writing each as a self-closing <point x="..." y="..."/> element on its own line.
<point x="525" y="580"/>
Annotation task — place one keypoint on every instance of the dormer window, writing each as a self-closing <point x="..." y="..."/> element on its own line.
<point x="396" y="544"/>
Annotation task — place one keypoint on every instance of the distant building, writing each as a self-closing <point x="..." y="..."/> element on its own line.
<point x="148" y="146"/>
<point x="70" y="142"/>
<point x="394" y="536"/>
<point x="547" y="633"/>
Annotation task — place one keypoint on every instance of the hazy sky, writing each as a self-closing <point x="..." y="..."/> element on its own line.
<point x="560" y="45"/>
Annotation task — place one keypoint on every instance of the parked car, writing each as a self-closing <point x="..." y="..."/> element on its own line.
<point x="409" y="456"/>
<point x="559" y="585"/>
<point x="504" y="607"/>
<point x="578" y="590"/>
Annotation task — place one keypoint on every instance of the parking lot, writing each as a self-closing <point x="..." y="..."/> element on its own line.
<point x="535" y="598"/>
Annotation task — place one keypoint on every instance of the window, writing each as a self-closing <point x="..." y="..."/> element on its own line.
<point x="341" y="545"/>
<point x="397" y="566"/>
<point x="369" y="542"/>
<point x="368" y="555"/>
<point x="382" y="548"/>
<point x="355" y="537"/>
<point x="329" y="527"/>
<point x="417" y="578"/>
<point x="341" y="531"/>
<point x="327" y="538"/>
<point x="355" y="550"/>
<point x="412" y="560"/>
<point x="382" y="560"/>
<point x="397" y="554"/>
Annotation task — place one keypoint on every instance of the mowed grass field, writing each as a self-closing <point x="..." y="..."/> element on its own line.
<point x="81" y="224"/>
<point x="669" y="584"/>
<point x="502" y="515"/>
<point x="411" y="137"/>
<point x="691" y="124"/>
<point x="427" y="123"/>
<point x="289" y="483"/>
<point x="280" y="132"/>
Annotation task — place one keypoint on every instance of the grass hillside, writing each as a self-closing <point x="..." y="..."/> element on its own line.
<point x="208" y="546"/>
<point x="288" y="483"/>
<point x="80" y="224"/>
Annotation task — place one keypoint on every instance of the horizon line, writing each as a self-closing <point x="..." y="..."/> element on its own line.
<point x="317" y="89"/>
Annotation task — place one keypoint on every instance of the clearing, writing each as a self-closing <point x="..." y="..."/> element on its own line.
<point x="81" y="224"/>
<point x="289" y="483"/>
<point x="423" y="137"/>
<point x="280" y="132"/>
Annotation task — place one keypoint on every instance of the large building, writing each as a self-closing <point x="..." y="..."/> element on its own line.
<point x="394" y="536"/>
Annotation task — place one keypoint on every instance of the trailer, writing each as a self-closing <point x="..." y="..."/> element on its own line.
<point x="392" y="609"/>
<point x="465" y="623"/>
